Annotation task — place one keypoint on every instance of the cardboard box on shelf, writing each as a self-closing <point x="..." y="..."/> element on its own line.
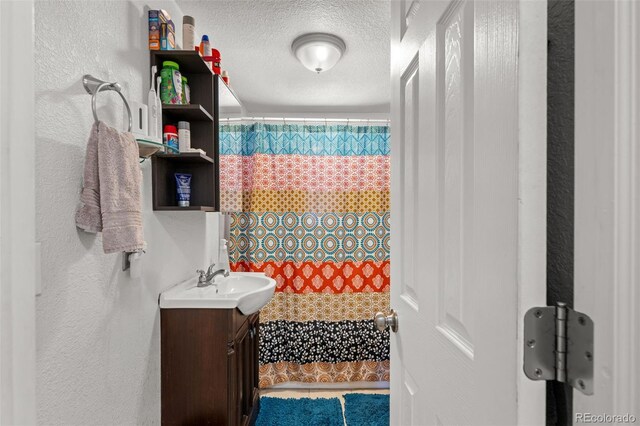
<point x="162" y="31"/>
<point x="167" y="36"/>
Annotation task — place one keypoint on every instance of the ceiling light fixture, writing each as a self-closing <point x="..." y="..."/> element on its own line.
<point x="318" y="51"/>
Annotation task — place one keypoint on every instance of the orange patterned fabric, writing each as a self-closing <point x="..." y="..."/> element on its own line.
<point x="324" y="277"/>
<point x="324" y="306"/>
<point x="259" y="200"/>
<point x="324" y="372"/>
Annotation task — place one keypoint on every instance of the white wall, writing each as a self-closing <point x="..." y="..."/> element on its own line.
<point x="17" y="215"/>
<point x="98" y="329"/>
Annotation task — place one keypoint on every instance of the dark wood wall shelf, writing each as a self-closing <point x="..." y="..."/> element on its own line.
<point x="189" y="60"/>
<point x="190" y="208"/>
<point x="210" y="97"/>
<point x="187" y="157"/>
<point x="192" y="112"/>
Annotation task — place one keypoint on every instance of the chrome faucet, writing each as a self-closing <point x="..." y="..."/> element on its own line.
<point x="207" y="278"/>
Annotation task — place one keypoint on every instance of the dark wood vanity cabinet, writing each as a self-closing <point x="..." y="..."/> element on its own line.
<point x="209" y="367"/>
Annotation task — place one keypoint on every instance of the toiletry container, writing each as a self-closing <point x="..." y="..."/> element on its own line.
<point x="205" y="48"/>
<point x="184" y="136"/>
<point x="225" y="77"/>
<point x="186" y="91"/>
<point x="223" y="256"/>
<point x="216" y="59"/>
<point x="170" y="138"/>
<point x="171" y="87"/>
<point x="188" y="32"/>
<point x="139" y="119"/>
<point x="183" y="189"/>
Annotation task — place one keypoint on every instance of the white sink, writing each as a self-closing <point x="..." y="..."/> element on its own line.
<point x="247" y="291"/>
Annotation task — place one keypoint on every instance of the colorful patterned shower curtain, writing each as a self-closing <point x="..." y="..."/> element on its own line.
<point x="310" y="207"/>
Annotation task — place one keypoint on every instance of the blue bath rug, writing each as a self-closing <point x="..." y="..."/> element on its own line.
<point x="299" y="411"/>
<point x="366" y="409"/>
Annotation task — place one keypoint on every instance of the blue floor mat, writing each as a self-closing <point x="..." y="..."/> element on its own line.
<point x="366" y="409"/>
<point x="299" y="411"/>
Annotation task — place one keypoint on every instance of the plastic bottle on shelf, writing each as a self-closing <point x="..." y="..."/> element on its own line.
<point x="184" y="136"/>
<point x="186" y="91"/>
<point x="188" y="32"/>
<point x="225" y="77"/>
<point x="170" y="138"/>
<point x="171" y="88"/>
<point x="216" y="61"/>
<point x="205" y="48"/>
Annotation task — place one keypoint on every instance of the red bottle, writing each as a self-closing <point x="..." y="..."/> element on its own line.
<point x="215" y="54"/>
<point x="170" y="138"/>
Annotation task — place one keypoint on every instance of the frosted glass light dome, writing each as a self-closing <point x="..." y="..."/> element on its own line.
<point x="318" y="51"/>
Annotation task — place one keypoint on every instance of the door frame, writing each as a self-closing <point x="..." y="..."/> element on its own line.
<point x="607" y="198"/>
<point x="17" y="214"/>
<point x="532" y="191"/>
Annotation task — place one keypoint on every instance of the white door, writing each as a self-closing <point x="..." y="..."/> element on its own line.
<point x="607" y="204"/>
<point x="467" y="254"/>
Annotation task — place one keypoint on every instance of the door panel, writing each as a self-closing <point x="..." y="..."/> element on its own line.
<point x="455" y="212"/>
<point x="455" y="145"/>
<point x="408" y="167"/>
<point x="409" y="10"/>
<point x="409" y="399"/>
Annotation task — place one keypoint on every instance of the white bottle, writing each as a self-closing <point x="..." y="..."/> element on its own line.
<point x="223" y="256"/>
<point x="152" y="108"/>
<point x="184" y="136"/>
<point x="159" y="131"/>
<point x="205" y="49"/>
<point x="188" y="32"/>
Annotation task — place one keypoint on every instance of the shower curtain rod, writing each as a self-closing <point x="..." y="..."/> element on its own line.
<point x="307" y="120"/>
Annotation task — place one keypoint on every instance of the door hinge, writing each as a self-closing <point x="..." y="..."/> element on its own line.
<point x="558" y="345"/>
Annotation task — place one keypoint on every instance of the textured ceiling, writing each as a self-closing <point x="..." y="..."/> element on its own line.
<point x="254" y="38"/>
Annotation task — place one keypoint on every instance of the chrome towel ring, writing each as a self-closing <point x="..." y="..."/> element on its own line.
<point x="93" y="86"/>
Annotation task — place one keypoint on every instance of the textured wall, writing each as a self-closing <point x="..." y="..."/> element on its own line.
<point x="254" y="39"/>
<point x="98" y="329"/>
